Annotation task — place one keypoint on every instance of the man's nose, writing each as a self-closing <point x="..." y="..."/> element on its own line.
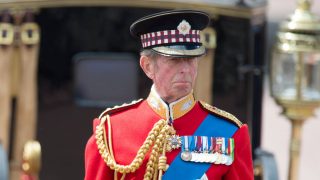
<point x="185" y="66"/>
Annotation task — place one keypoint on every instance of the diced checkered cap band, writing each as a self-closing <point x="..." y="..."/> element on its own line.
<point x="168" y="37"/>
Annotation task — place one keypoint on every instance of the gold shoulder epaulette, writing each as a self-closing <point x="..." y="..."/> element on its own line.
<point x="119" y="108"/>
<point x="221" y="113"/>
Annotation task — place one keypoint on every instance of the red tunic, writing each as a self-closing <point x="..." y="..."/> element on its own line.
<point x="130" y="128"/>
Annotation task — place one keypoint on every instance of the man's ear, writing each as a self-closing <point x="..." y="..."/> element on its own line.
<point x="147" y="66"/>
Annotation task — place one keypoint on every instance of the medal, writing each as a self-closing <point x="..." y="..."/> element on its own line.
<point x="223" y="151"/>
<point x="201" y="157"/>
<point x="206" y="157"/>
<point x="230" y="151"/>
<point x="186" y="154"/>
<point x="229" y="161"/>
<point x="218" y="160"/>
<point x="204" y="154"/>
<point x="218" y="150"/>
<point x="195" y="147"/>
<point x="204" y="149"/>
<point x="213" y="157"/>
<point x="223" y="146"/>
<point x="174" y="142"/>
<point x="212" y="144"/>
<point x="198" y="143"/>
<point x="195" y="157"/>
<point x="224" y="159"/>
<point x="199" y="147"/>
<point x="207" y="149"/>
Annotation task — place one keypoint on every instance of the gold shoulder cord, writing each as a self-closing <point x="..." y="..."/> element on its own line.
<point x="222" y="113"/>
<point x="156" y="140"/>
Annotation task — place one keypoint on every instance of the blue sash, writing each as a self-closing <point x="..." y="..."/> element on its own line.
<point x="211" y="126"/>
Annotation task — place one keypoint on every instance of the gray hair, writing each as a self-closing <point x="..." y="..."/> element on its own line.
<point x="149" y="53"/>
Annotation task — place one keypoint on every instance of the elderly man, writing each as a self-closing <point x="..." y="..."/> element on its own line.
<point x="169" y="135"/>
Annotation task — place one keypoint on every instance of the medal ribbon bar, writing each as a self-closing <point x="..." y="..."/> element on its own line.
<point x="204" y="149"/>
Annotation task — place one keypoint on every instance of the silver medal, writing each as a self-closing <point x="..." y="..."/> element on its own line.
<point x="195" y="157"/>
<point x="206" y="157"/>
<point x="186" y="156"/>
<point x="229" y="162"/>
<point x="202" y="157"/>
<point x="224" y="159"/>
<point x="214" y="157"/>
<point x="218" y="160"/>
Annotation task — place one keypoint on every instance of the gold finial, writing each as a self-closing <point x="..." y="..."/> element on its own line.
<point x="304" y="5"/>
<point x="302" y="20"/>
<point x="300" y="32"/>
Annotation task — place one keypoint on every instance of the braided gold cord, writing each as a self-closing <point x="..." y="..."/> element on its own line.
<point x="162" y="164"/>
<point x="156" y="172"/>
<point x="153" y="137"/>
<point x="156" y="150"/>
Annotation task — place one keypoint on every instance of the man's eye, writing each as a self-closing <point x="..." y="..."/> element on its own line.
<point x="173" y="59"/>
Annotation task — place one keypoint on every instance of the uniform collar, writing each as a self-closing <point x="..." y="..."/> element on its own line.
<point x="173" y="110"/>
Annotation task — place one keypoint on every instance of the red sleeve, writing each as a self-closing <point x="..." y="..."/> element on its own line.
<point x="241" y="167"/>
<point x="95" y="167"/>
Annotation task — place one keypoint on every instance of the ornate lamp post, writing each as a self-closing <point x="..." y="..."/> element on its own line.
<point x="295" y="73"/>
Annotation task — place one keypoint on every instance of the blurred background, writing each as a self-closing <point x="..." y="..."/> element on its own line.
<point x="276" y="128"/>
<point x="63" y="62"/>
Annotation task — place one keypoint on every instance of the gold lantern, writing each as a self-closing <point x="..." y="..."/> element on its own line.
<point x="295" y="73"/>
